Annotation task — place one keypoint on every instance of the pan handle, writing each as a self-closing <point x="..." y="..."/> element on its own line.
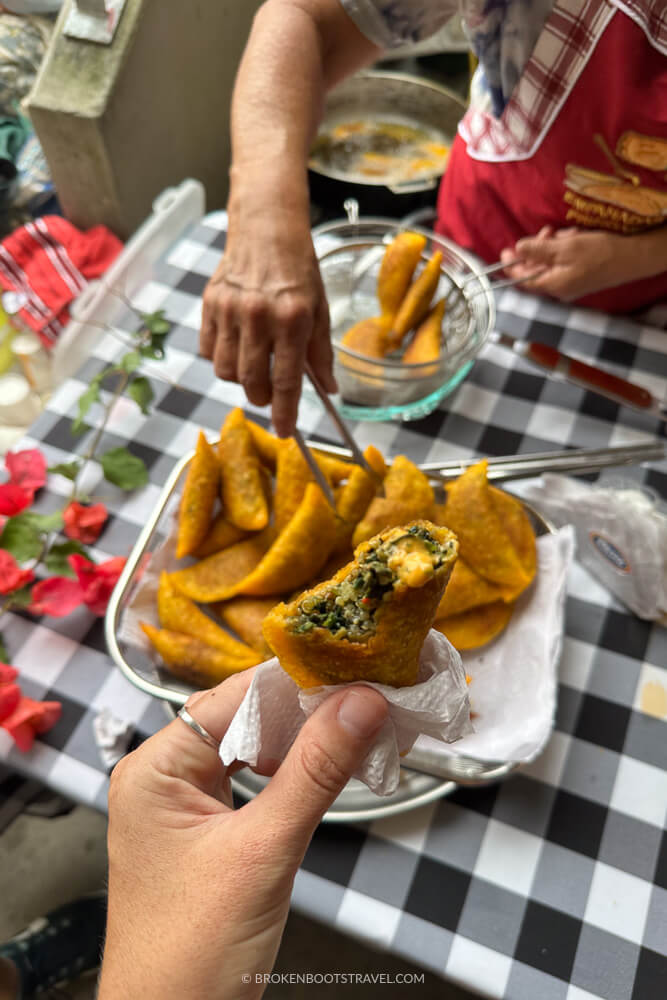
<point x="413" y="187"/>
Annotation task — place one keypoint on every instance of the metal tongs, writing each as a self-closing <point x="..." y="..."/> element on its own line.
<point x="358" y="457"/>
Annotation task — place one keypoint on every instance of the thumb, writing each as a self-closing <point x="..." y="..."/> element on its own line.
<point x="328" y="750"/>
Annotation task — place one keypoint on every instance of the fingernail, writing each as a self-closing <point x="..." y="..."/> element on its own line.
<point x="362" y="713"/>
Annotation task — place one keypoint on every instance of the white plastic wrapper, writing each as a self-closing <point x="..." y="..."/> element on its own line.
<point x="275" y="708"/>
<point x="621" y="537"/>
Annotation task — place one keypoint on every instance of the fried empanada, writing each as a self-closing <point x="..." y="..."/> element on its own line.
<point x="368" y="337"/>
<point x="265" y="442"/>
<point x="517" y="524"/>
<point x="245" y="616"/>
<point x="213" y="578"/>
<point x="425" y="345"/>
<point x="355" y="496"/>
<point x="408" y="497"/>
<point x="467" y="589"/>
<point x="220" y="534"/>
<point x="398" y="265"/>
<point x="370" y="621"/>
<point x="292" y="477"/>
<point x="198" y="499"/>
<point x="477" y="626"/>
<point x="484" y="542"/>
<point x="179" y="614"/>
<point x="192" y="660"/>
<point x="417" y="301"/>
<point x="298" y="552"/>
<point x="243" y="496"/>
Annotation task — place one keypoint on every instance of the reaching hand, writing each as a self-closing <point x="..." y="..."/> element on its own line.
<point x="265" y="312"/>
<point x="199" y="893"/>
<point x="572" y="262"/>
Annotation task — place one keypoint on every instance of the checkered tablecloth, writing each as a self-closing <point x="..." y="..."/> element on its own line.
<point x="549" y="886"/>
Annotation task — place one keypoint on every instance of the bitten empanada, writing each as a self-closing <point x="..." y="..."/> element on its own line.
<point x="369" y="622"/>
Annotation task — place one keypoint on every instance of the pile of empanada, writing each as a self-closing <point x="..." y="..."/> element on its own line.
<point x="261" y="532"/>
<point x="405" y="300"/>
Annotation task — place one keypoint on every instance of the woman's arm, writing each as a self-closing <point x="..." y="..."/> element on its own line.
<point x="266" y="297"/>
<point x="580" y="262"/>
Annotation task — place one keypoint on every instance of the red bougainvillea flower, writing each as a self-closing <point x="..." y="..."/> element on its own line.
<point x="13" y="499"/>
<point x="57" y="596"/>
<point x="84" y="523"/>
<point x="26" y="469"/>
<point x="29" y="719"/>
<point x="7" y="673"/>
<point x="97" y="581"/>
<point x="10" y="696"/>
<point x="11" y="575"/>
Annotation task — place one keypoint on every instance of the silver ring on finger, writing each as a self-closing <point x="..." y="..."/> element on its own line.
<point x="197" y="728"/>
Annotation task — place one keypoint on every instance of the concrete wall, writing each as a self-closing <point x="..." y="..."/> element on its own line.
<point x="120" y="123"/>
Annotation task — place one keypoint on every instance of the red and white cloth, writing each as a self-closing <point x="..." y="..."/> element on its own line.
<point x="47" y="264"/>
<point x="556" y="155"/>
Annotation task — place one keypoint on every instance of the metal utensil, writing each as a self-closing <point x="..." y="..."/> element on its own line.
<point x="358" y="456"/>
<point x="319" y="476"/>
<point x="578" y="460"/>
<point x="591" y="377"/>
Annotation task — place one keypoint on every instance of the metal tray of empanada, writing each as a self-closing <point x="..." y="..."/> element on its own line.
<point x="423" y="780"/>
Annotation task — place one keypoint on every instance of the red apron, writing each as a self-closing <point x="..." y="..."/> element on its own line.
<point x="582" y="141"/>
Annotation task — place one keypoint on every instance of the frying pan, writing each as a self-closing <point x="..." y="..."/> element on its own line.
<point x="394" y="97"/>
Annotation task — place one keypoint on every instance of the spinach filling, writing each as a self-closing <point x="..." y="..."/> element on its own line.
<point x="347" y="609"/>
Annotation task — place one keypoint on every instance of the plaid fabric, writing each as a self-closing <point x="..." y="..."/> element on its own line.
<point x="651" y="15"/>
<point x="549" y="886"/>
<point x="561" y="52"/>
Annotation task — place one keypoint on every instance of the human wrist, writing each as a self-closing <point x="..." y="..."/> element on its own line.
<point x="254" y="190"/>
<point x="639" y="256"/>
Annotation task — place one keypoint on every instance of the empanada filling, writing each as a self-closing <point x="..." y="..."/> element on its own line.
<point x="348" y="609"/>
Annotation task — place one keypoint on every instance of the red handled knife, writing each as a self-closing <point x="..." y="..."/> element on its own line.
<point x="589" y="376"/>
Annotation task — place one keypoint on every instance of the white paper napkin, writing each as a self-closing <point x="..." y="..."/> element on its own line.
<point x="112" y="736"/>
<point x="275" y="708"/>
<point x="515" y="678"/>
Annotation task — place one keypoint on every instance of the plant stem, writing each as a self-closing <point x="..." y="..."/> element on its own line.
<point x="118" y="392"/>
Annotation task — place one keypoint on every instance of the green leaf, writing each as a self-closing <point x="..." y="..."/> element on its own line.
<point x="155" y="322"/>
<point x="22" y="538"/>
<point x="4" y="652"/>
<point x="23" y="534"/>
<point x="155" y="347"/>
<point x="124" y="469"/>
<point x="67" y="469"/>
<point x="86" y="400"/>
<point x="130" y="361"/>
<point x="141" y="392"/>
<point x="21" y="598"/>
<point x="45" y="522"/>
<point x="56" y="558"/>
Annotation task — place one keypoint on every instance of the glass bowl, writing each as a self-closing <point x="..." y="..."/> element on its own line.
<point x="349" y="255"/>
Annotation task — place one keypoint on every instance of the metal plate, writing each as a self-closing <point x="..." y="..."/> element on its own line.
<point x="356" y="803"/>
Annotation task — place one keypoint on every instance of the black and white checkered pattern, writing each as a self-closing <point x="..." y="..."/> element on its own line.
<point x="552" y="885"/>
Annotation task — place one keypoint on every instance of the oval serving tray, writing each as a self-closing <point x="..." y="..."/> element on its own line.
<point x="423" y="782"/>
